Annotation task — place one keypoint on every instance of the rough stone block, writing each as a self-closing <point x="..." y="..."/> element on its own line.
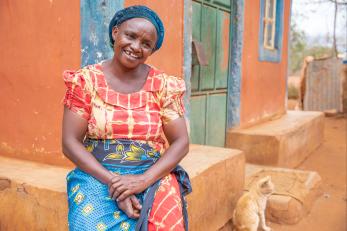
<point x="33" y="196"/>
<point x="284" y="142"/>
<point x="295" y="192"/>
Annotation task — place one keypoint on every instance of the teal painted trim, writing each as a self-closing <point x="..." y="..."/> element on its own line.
<point x="235" y="71"/>
<point x="95" y="17"/>
<point x="266" y="54"/>
<point x="187" y="55"/>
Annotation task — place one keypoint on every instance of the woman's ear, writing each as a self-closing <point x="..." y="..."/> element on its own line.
<point x="115" y="30"/>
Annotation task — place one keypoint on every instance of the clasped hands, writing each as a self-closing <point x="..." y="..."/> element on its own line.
<point x="123" y="188"/>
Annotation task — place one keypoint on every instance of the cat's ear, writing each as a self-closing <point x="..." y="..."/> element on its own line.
<point x="265" y="181"/>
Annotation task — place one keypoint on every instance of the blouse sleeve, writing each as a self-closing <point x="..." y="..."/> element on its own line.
<point x="77" y="97"/>
<point x="172" y="101"/>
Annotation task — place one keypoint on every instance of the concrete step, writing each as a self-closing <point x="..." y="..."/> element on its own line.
<point x="295" y="192"/>
<point x="284" y="142"/>
<point x="33" y="196"/>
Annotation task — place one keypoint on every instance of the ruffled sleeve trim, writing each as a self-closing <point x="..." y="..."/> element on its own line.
<point x="77" y="97"/>
<point x="172" y="98"/>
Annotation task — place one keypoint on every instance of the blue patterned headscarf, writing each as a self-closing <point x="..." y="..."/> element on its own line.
<point x="138" y="12"/>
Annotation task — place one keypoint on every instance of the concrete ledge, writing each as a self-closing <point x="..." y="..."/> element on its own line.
<point x="217" y="176"/>
<point x="284" y="142"/>
<point x="295" y="192"/>
<point x="33" y="196"/>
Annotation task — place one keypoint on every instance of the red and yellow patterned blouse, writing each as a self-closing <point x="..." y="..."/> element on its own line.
<point x="113" y="115"/>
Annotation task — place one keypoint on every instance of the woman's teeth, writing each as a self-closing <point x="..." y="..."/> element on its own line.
<point x="131" y="54"/>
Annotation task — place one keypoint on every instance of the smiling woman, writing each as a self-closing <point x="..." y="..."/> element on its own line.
<point x="115" y="113"/>
<point x="134" y="41"/>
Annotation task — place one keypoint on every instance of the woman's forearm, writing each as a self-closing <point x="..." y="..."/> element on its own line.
<point x="76" y="152"/>
<point x="172" y="156"/>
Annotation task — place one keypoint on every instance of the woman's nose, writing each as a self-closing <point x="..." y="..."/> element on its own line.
<point x="135" y="45"/>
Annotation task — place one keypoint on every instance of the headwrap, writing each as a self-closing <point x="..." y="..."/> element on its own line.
<point x="138" y="12"/>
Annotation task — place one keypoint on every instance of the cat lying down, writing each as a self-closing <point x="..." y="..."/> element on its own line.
<point x="250" y="208"/>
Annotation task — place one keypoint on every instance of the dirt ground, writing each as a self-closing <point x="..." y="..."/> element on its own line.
<point x="329" y="212"/>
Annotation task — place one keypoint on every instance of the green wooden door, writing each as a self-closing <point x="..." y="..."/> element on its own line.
<point x="211" y="26"/>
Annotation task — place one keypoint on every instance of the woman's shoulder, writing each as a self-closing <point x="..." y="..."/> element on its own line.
<point x="88" y="74"/>
<point x="166" y="82"/>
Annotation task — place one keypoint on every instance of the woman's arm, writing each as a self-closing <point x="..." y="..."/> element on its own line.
<point x="74" y="130"/>
<point x="177" y="136"/>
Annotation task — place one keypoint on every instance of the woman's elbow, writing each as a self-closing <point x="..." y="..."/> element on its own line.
<point x="185" y="144"/>
<point x="66" y="146"/>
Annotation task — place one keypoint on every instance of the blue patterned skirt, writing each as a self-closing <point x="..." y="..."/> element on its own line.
<point x="91" y="208"/>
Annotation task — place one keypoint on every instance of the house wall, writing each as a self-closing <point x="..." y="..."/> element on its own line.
<point x="41" y="42"/>
<point x="38" y="41"/>
<point x="263" y="84"/>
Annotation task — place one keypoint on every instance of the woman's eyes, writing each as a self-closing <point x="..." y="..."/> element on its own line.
<point x="146" y="45"/>
<point x="131" y="36"/>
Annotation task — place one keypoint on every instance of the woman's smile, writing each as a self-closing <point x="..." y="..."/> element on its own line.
<point x="131" y="55"/>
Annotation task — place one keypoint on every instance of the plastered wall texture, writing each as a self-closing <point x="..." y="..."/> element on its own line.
<point x="46" y="40"/>
<point x="263" y="84"/>
<point x="36" y="45"/>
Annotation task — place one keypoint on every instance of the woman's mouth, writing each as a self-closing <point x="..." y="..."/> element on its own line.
<point x="131" y="54"/>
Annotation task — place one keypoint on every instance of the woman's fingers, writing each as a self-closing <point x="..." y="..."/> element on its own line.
<point x="124" y="195"/>
<point x="136" y="213"/>
<point x="113" y="188"/>
<point x="127" y="208"/>
<point x="135" y="202"/>
<point x="115" y="179"/>
<point x="120" y="190"/>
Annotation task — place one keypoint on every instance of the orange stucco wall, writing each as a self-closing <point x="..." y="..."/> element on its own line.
<point x="38" y="42"/>
<point x="263" y="84"/>
<point x="170" y="57"/>
<point x="39" y="39"/>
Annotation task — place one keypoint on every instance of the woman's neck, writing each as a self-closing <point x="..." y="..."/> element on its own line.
<point x="116" y="69"/>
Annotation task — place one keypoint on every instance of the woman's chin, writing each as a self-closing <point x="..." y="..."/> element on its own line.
<point x="130" y="63"/>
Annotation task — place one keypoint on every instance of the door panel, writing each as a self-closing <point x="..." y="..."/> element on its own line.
<point x="211" y="26"/>
<point x="208" y="39"/>
<point x="216" y="117"/>
<point x="198" y="119"/>
<point x="222" y="49"/>
<point x="196" y="24"/>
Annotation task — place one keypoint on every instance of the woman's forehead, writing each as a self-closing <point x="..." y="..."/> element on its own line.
<point x="138" y="24"/>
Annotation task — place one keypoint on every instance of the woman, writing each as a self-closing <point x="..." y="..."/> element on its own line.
<point x="115" y="113"/>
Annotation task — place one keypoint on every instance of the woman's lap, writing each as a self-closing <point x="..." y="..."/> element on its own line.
<point x="90" y="207"/>
<point x="166" y="213"/>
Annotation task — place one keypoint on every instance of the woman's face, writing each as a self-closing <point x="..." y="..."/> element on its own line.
<point x="135" y="40"/>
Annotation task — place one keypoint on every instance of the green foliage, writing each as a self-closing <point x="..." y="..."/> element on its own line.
<point x="293" y="92"/>
<point x="299" y="49"/>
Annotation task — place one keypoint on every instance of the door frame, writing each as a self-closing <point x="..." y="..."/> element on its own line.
<point x="235" y="60"/>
